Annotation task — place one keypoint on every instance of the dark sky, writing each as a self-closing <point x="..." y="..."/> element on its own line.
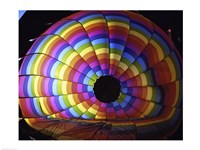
<point x="33" y="23"/>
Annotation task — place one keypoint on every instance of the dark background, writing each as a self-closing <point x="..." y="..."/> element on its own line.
<point x="34" y="23"/>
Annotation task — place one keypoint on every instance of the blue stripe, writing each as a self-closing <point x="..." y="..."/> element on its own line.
<point x="86" y="70"/>
<point x="100" y="36"/>
<point x="80" y="41"/>
<point x="117" y="41"/>
<point x="128" y="56"/>
<point x="25" y="85"/>
<point x="166" y="49"/>
<point x="66" y="24"/>
<point x="142" y="63"/>
<point x="30" y="63"/>
<point x="117" y="46"/>
<point x="85" y="81"/>
<point x="56" y="100"/>
<point x="89" y="88"/>
<point x="50" y="67"/>
<point x="29" y="86"/>
<point x="50" y="85"/>
<point x="141" y="28"/>
<point x="88" y="17"/>
<point x="36" y="44"/>
<point x="25" y="64"/>
<point x="100" y="41"/>
<point x="61" y="102"/>
<point x="63" y="52"/>
<point x="53" y="72"/>
<point x="36" y="107"/>
<point x="54" y="87"/>
<point x="42" y="43"/>
<point x="85" y="116"/>
<point x="60" y="50"/>
<point x="119" y="17"/>
<point x="74" y="113"/>
<point x="33" y="107"/>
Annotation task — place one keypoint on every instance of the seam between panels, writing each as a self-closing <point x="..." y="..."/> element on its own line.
<point x="128" y="17"/>
<point x="143" y="48"/>
<point x="89" y="41"/>
<point x="60" y="62"/>
<point x="72" y="48"/>
<point x="108" y="40"/>
<point x="149" y="69"/>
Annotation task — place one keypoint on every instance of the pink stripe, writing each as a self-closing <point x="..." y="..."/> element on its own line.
<point x="76" y="76"/>
<point x="52" y="101"/>
<point x="94" y="64"/>
<point x="75" y="37"/>
<point x="46" y="66"/>
<point x="97" y="32"/>
<point x="104" y="66"/>
<point x="82" y="67"/>
<point x="58" y="45"/>
<point x="46" y="86"/>
<point x="28" y="106"/>
<point x="79" y="87"/>
<point x="21" y="85"/>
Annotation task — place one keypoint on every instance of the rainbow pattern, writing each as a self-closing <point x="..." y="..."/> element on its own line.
<point x="58" y="73"/>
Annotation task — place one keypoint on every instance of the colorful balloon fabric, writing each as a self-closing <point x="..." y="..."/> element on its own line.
<point x="58" y="75"/>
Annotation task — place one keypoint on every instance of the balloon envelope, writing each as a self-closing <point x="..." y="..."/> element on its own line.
<point x="58" y="75"/>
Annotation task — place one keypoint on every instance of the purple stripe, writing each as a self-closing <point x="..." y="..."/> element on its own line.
<point x="79" y="87"/>
<point x="28" y="106"/>
<point x="82" y="67"/>
<point x="53" y="103"/>
<point x="95" y="33"/>
<point x="55" y="27"/>
<point x="58" y="46"/>
<point x="46" y="66"/>
<point x="94" y="64"/>
<point x="46" y="86"/>
<point x="76" y="37"/>
<point x="76" y="76"/>
<point x="21" y="89"/>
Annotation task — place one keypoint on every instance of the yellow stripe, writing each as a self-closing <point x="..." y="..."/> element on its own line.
<point x="86" y="50"/>
<point x="44" y="50"/>
<point x="71" y="100"/>
<point x="81" y="107"/>
<point x="64" y="87"/>
<point x="92" y="110"/>
<point x="149" y="93"/>
<point x="71" y="57"/>
<point x="122" y="65"/>
<point x="177" y="93"/>
<point x="144" y="79"/>
<point x="118" y="24"/>
<point x="142" y="37"/>
<point x="68" y="29"/>
<point x="93" y="22"/>
<point x="100" y="117"/>
<point x="102" y="51"/>
<point x="62" y="71"/>
<point x="44" y="109"/>
<point x="36" y="82"/>
<point x="115" y="56"/>
<point x="149" y="109"/>
<point x="158" y="49"/>
<point x="134" y="70"/>
<point x="172" y="68"/>
<point x="36" y="64"/>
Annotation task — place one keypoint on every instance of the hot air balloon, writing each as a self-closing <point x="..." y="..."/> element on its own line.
<point x="102" y="75"/>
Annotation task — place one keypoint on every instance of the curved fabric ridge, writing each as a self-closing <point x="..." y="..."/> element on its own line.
<point x="58" y="74"/>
